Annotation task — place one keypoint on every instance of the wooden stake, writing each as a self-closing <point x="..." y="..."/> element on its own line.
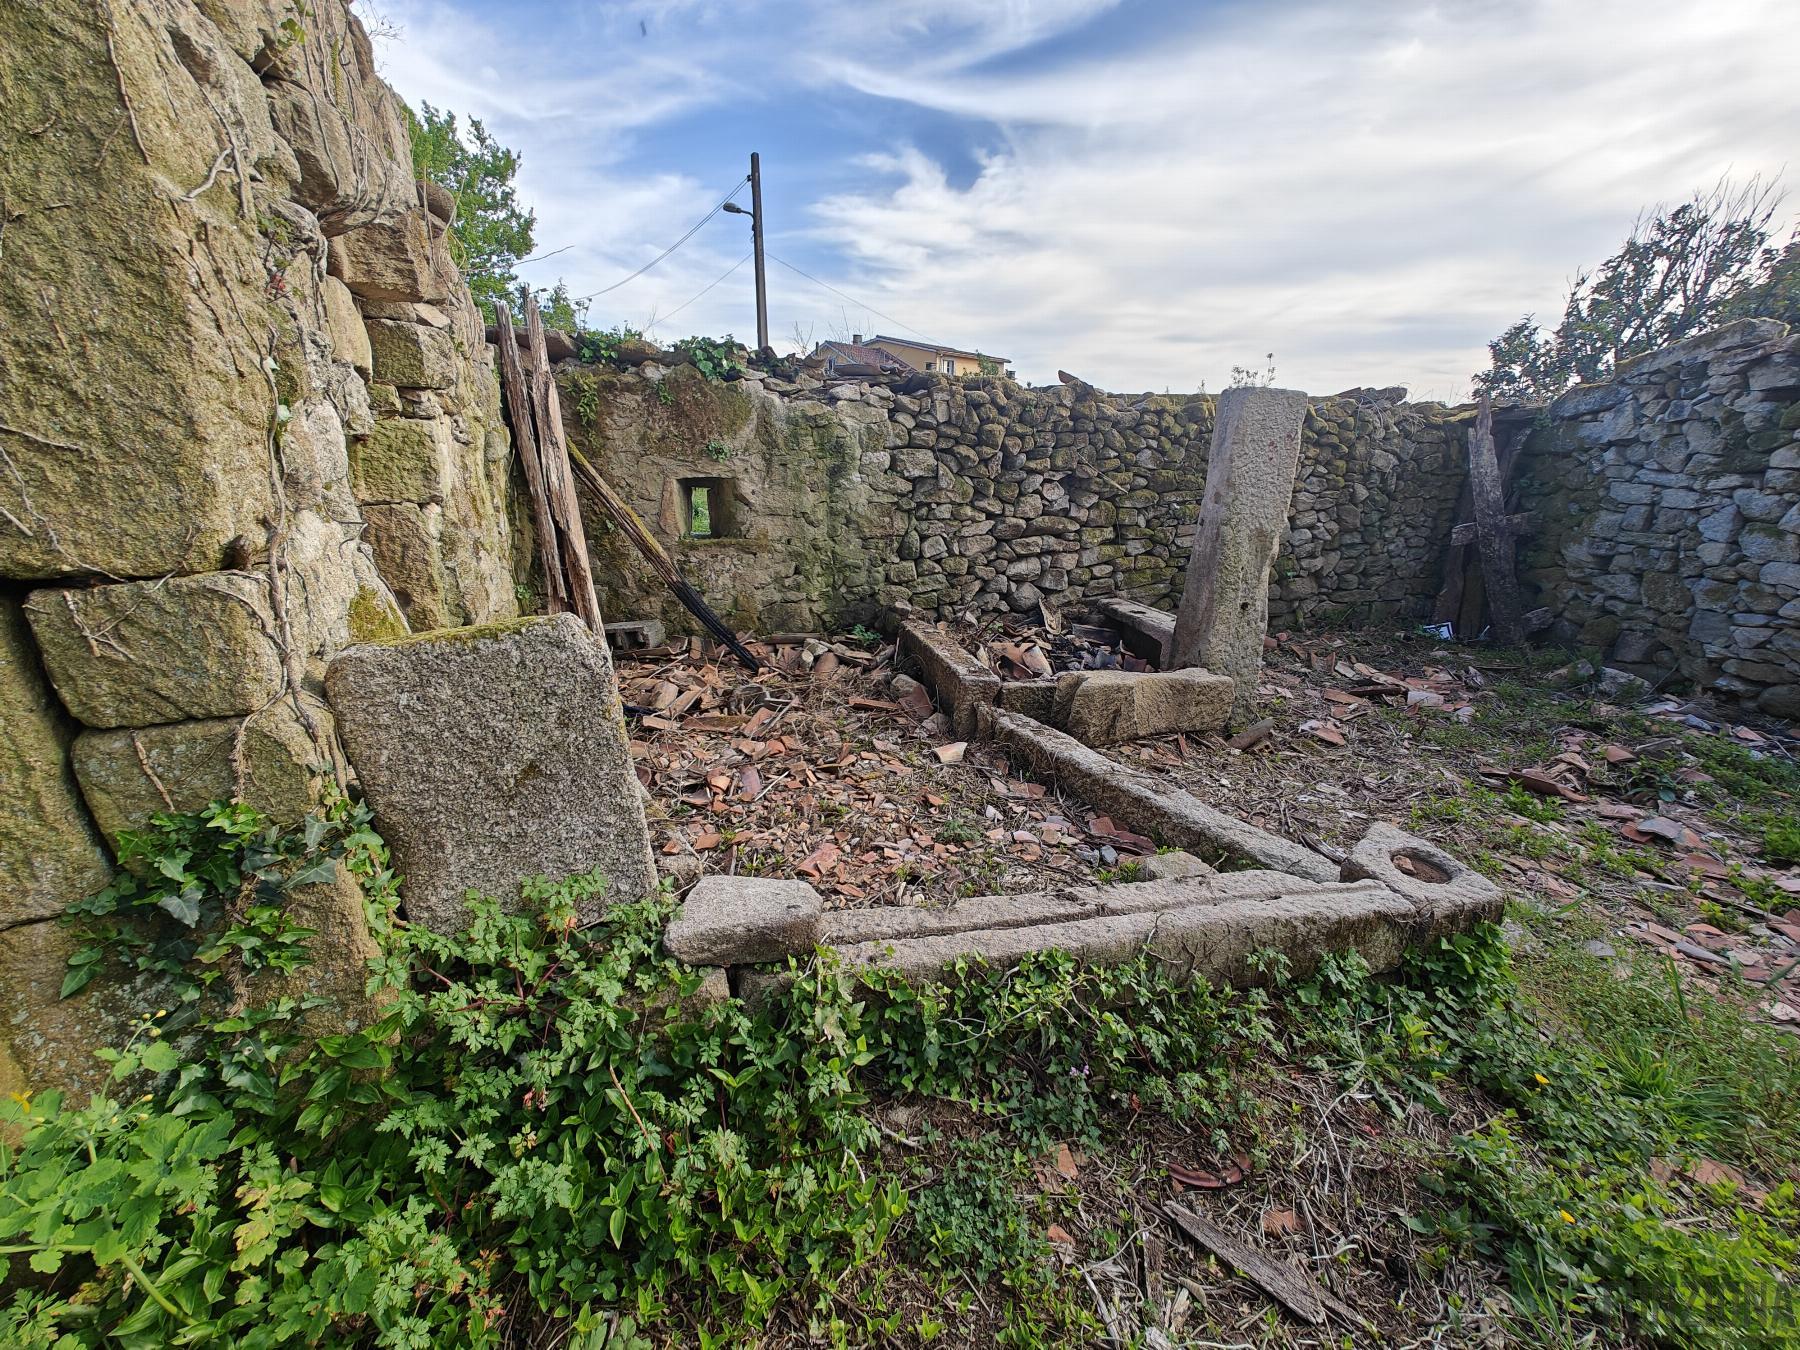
<point x="633" y="528"/>
<point x="543" y="520"/>
<point x="559" y="481"/>
<point x="1493" y="536"/>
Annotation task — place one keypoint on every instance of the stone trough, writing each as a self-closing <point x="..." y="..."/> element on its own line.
<point x="1202" y="925"/>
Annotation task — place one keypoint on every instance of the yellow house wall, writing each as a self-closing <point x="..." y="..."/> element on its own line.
<point x="965" y="363"/>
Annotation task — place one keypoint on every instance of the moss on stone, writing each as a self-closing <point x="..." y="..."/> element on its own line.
<point x="479" y="632"/>
<point x="373" y="618"/>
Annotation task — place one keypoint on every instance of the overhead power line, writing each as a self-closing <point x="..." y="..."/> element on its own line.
<point x="591" y="295"/>
<point x="703" y="290"/>
<point x="851" y="298"/>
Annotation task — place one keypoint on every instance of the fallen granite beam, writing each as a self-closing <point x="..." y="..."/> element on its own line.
<point x="1213" y="942"/>
<point x="956" y="679"/>
<point x="1109" y="707"/>
<point x="1143" y="803"/>
<point x="851" y="927"/>
<point x="1203" y="925"/>
<point x="1147" y="632"/>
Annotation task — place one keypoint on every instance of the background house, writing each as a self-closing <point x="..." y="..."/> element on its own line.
<point x="852" y="358"/>
<point x="884" y="355"/>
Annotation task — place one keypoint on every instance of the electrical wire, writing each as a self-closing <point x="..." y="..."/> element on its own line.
<point x="539" y="257"/>
<point x="851" y="298"/>
<point x="672" y="247"/>
<point x="714" y="282"/>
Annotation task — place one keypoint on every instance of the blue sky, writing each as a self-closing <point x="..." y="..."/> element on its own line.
<point x="1145" y="194"/>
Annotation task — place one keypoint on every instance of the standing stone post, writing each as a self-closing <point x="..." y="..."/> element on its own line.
<point x="1224" y="611"/>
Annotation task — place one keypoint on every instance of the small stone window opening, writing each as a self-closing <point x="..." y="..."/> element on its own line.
<point x="708" y="508"/>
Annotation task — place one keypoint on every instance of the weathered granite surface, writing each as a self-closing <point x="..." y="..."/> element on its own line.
<point x="1145" y="803"/>
<point x="490" y="755"/>
<point x="172" y="650"/>
<point x="1107" y="707"/>
<point x="1444" y="890"/>
<point x="730" y="920"/>
<point x="50" y="852"/>
<point x="959" y="682"/>
<point x="1224" y="613"/>
<point x="1216" y="942"/>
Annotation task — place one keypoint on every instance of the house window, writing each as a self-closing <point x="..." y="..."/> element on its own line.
<point x="708" y="508"/>
<point x="931" y="365"/>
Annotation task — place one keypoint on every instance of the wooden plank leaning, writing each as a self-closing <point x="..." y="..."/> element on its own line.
<point x="559" y="479"/>
<point x="518" y="405"/>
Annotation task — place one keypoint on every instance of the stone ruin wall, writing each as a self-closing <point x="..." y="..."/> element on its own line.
<point x="982" y="497"/>
<point x="1666" y="509"/>
<point x="246" y="417"/>
<point x="1665" y="504"/>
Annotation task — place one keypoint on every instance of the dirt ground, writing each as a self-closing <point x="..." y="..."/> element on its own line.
<point x="1645" y="821"/>
<point x="812" y="770"/>
<point x="1652" y="819"/>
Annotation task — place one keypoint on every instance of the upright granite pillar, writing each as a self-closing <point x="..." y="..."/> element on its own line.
<point x="493" y="754"/>
<point x="1224" y="611"/>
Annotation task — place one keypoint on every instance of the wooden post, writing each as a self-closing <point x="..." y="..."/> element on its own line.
<point x="756" y="244"/>
<point x="543" y="520"/>
<point x="559" y="480"/>
<point x="633" y="528"/>
<point x="1494" y="535"/>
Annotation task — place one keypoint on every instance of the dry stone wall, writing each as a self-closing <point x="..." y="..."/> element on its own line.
<point x="1666" y="509"/>
<point x="246" y="416"/>
<point x="982" y="497"/>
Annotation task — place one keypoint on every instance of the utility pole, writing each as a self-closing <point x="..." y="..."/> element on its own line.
<point x="756" y="238"/>
<point x="756" y="244"/>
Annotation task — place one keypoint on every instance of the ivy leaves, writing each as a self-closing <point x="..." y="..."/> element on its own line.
<point x="195" y="889"/>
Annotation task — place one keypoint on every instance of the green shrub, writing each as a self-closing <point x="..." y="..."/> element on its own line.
<point x="543" y="1115"/>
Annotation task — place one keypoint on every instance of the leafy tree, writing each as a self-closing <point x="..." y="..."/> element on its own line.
<point x="491" y="231"/>
<point x="1681" y="271"/>
<point x="562" y="310"/>
<point x="1776" y="293"/>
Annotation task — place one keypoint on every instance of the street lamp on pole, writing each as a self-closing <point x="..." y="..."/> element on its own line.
<point x="755" y="212"/>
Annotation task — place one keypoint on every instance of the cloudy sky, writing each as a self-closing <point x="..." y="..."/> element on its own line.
<point x="1143" y="193"/>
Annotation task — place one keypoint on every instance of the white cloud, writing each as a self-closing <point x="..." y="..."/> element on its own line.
<point x="1369" y="191"/>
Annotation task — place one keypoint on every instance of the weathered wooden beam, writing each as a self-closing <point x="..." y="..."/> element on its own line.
<point x="559" y="480"/>
<point x="1468" y="532"/>
<point x="518" y="405"/>
<point x="1495" y="542"/>
<point x="633" y="528"/>
<point x="1295" y="1290"/>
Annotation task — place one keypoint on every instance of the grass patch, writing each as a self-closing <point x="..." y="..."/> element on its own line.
<point x="547" y="1135"/>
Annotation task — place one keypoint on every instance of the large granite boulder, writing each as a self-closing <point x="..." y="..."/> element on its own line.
<point x="144" y="652"/>
<point x="493" y="754"/>
<point x="49" y="852"/>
